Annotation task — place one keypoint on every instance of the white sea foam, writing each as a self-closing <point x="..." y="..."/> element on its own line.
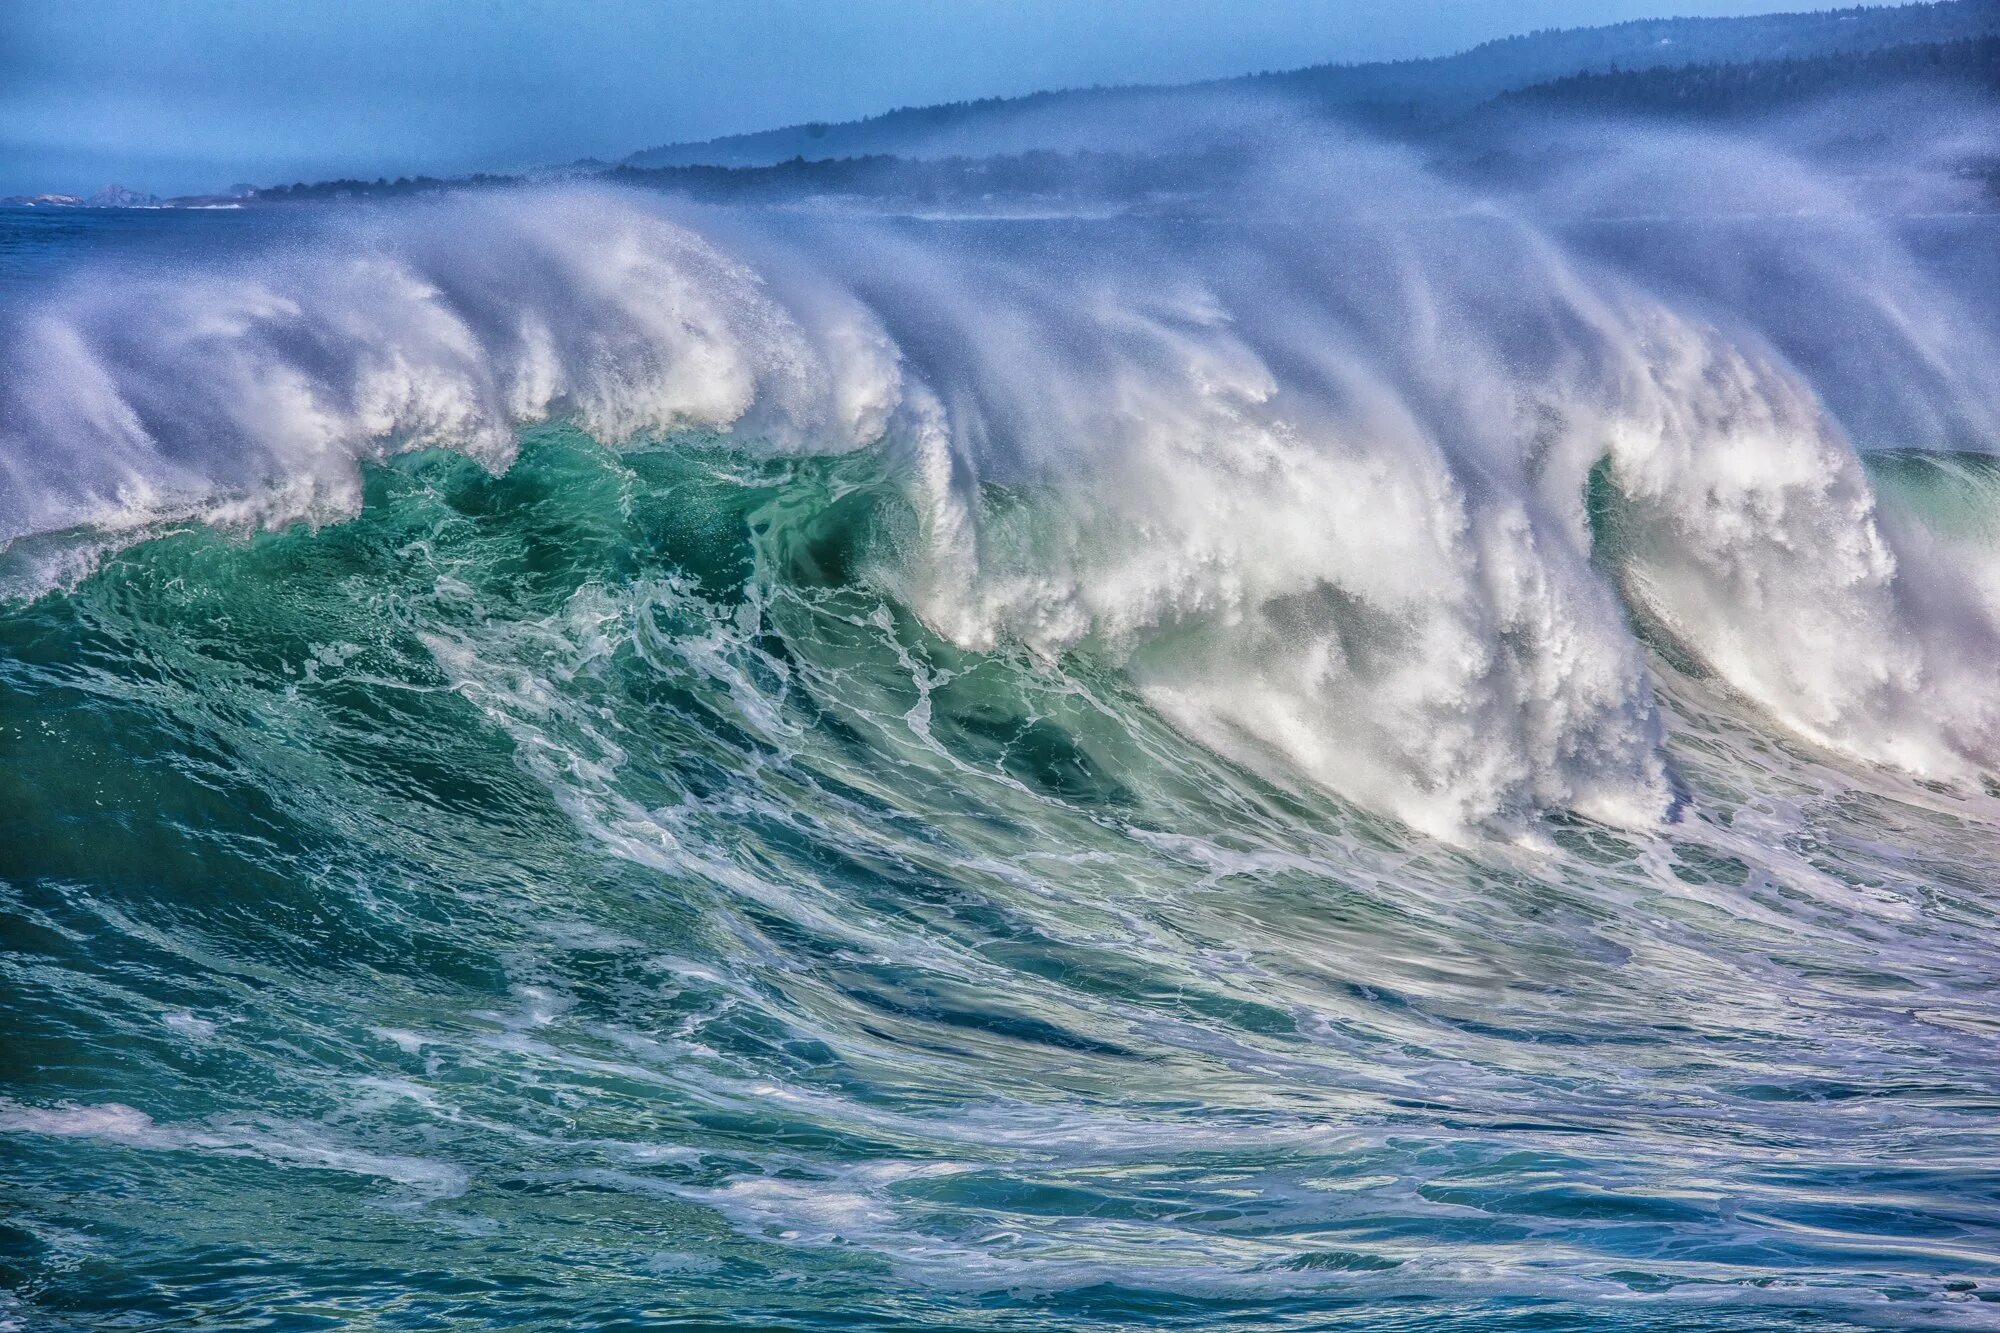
<point x="278" y="1142"/>
<point x="1317" y="481"/>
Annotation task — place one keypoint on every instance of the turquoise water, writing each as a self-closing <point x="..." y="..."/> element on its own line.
<point x="577" y="896"/>
<point x="588" y="893"/>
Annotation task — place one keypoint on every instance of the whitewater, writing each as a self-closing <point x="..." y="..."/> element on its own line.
<point x="1372" y="752"/>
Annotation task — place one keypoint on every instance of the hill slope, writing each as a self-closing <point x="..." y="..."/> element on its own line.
<point x="1752" y="87"/>
<point x="1401" y="93"/>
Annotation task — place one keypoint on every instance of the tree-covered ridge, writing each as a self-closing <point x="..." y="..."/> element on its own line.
<point x="381" y="186"/>
<point x="1075" y="177"/>
<point x="1408" y="93"/>
<point x="1751" y="87"/>
<point x="1170" y="176"/>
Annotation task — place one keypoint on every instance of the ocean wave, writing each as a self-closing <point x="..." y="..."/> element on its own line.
<point x="1323" y="494"/>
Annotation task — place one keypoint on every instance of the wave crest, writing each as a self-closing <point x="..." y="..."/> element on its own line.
<point x="1318" y="480"/>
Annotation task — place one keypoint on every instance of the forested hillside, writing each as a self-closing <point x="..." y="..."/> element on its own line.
<point x="1412" y="94"/>
<point x="1721" y="91"/>
<point x="1820" y="56"/>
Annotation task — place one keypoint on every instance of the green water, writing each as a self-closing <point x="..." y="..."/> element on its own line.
<point x="586" y="897"/>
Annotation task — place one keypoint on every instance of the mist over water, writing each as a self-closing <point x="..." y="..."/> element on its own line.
<point x="1389" y="738"/>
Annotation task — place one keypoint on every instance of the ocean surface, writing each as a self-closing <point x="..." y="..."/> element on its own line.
<point x="568" y="761"/>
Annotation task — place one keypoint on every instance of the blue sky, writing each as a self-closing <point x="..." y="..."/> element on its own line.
<point x="183" y="95"/>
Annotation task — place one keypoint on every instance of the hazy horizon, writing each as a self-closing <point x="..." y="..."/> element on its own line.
<point x="185" y="96"/>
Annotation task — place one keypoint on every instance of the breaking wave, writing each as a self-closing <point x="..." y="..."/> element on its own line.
<point x="1324" y="492"/>
<point x="1377" y="748"/>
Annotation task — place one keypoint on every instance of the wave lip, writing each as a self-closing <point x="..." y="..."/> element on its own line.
<point x="251" y="393"/>
<point x="1324" y="502"/>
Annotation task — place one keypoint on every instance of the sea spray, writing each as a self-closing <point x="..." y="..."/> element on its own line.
<point x="1376" y="755"/>
<point x="1322" y="492"/>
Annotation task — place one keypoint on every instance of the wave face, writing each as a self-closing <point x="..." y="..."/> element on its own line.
<point x="1380" y="762"/>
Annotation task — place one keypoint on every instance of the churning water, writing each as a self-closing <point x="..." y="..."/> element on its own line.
<point x="571" y="763"/>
